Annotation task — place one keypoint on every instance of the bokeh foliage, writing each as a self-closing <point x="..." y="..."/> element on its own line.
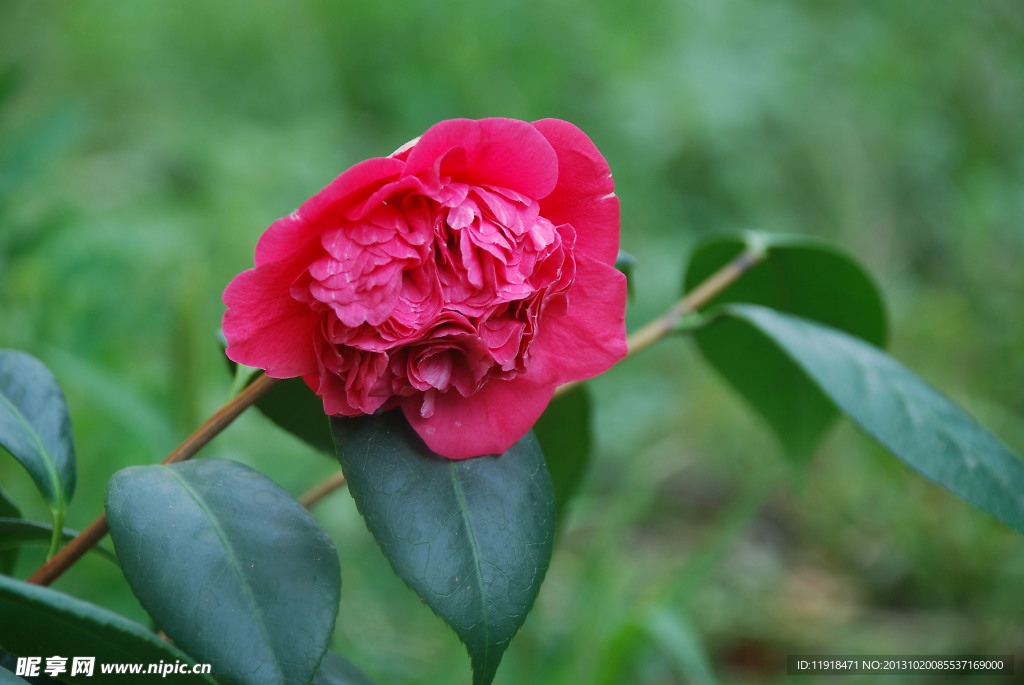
<point x="144" y="148"/>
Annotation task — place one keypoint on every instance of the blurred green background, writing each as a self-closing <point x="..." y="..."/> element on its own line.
<point x="145" y="146"/>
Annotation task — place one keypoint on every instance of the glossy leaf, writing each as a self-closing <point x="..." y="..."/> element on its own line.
<point x="894" y="406"/>
<point x="471" y="537"/>
<point x="803" y="276"/>
<point x="38" y="621"/>
<point x="292" y="406"/>
<point x="229" y="565"/>
<point x="564" y="432"/>
<point x="337" y="670"/>
<point x="16" y="533"/>
<point x="36" y="429"/>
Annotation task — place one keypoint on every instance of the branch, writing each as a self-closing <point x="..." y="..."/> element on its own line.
<point x="322" y="489"/>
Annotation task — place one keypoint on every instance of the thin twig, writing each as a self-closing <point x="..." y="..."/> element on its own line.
<point x="87" y="539"/>
<point x="714" y="284"/>
<point x="322" y="489"/>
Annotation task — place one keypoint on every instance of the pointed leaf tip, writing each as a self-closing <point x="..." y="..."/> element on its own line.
<point x="909" y="417"/>
<point x="35" y="428"/>
<point x="472" y="537"/>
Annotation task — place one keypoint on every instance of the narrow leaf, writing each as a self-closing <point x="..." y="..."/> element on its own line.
<point x="472" y="538"/>
<point x="36" y="429"/>
<point x="229" y="565"/>
<point x="15" y="533"/>
<point x="337" y="670"/>
<point x="680" y="641"/>
<point x="894" y="406"/>
<point x="564" y="431"/>
<point x="38" y="621"/>
<point x="803" y="276"/>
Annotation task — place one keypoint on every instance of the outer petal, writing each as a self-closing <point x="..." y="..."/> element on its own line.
<point x="585" y="194"/>
<point x="488" y="422"/>
<point x="266" y="327"/>
<point x="500" y="152"/>
<point x="289" y="234"/>
<point x="591" y="336"/>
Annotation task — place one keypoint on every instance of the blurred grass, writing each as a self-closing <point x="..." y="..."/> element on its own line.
<point x="143" y="149"/>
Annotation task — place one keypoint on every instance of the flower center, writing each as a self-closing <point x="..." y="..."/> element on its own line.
<point x="447" y="288"/>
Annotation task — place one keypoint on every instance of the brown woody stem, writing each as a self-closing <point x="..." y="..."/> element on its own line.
<point x="322" y="489"/>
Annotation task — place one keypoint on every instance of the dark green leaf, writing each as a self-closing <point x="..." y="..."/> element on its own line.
<point x="337" y="670"/>
<point x="802" y="276"/>
<point x="8" y="509"/>
<point x="894" y="406"/>
<point x="38" y="621"/>
<point x="229" y="565"/>
<point x="626" y="263"/>
<point x="16" y="533"/>
<point x="36" y="429"/>
<point x="292" y="406"/>
<point x="471" y="537"/>
<point x="563" y="432"/>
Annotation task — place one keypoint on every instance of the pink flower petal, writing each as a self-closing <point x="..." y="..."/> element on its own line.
<point x="500" y="152"/>
<point x="266" y="327"/>
<point x="584" y="196"/>
<point x="488" y="422"/>
<point x="294" y="231"/>
<point x="591" y="336"/>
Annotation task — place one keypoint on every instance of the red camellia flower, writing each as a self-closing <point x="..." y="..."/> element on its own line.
<point x="463" y="278"/>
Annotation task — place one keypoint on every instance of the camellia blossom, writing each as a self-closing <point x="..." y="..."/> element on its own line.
<point x="462" y="278"/>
